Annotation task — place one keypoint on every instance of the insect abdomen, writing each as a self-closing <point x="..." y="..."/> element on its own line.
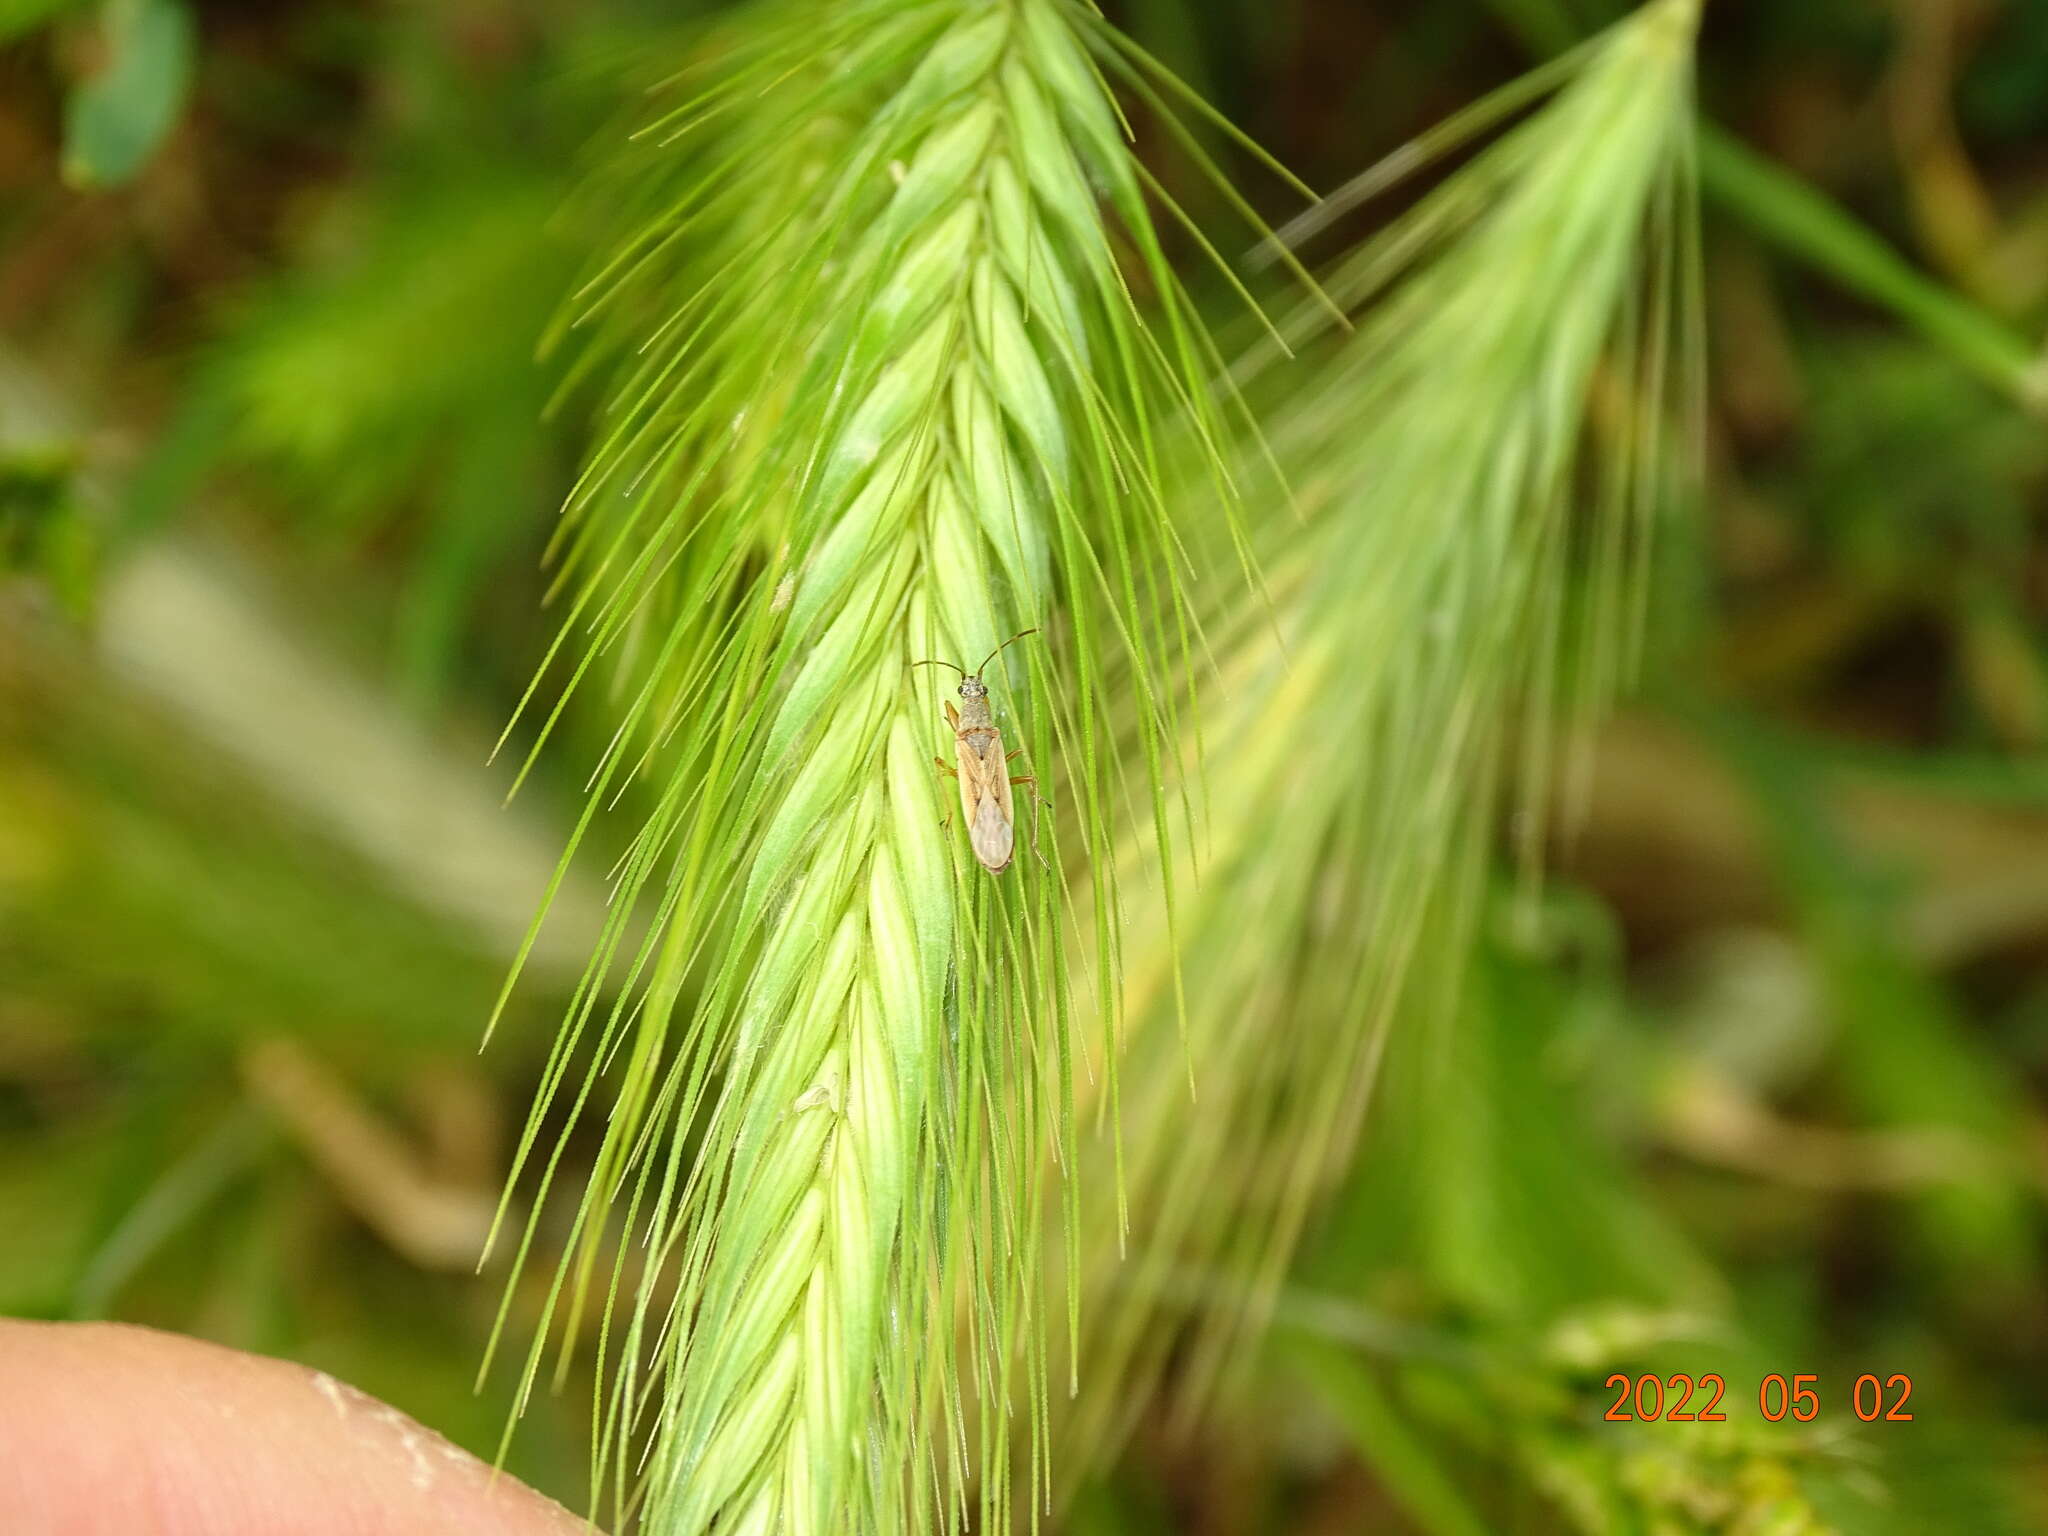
<point x="985" y="795"/>
<point x="993" y="837"/>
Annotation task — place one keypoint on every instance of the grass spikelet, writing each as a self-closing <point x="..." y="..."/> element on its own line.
<point x="880" y="394"/>
<point x="1480" y="466"/>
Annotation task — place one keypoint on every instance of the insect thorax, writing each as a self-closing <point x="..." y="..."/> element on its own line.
<point x="974" y="707"/>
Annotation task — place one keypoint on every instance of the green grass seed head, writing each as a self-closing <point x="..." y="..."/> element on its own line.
<point x="1482" y="462"/>
<point x="881" y="394"/>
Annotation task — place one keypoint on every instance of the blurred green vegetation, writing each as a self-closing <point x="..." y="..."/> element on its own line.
<point x="1760" y="1089"/>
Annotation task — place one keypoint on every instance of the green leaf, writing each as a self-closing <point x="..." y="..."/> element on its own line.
<point x="1403" y="1460"/>
<point x="45" y="532"/>
<point x="117" y="116"/>
<point x="1801" y="220"/>
<point x="1907" y="1058"/>
<point x="19" y="16"/>
<point x="1805" y="223"/>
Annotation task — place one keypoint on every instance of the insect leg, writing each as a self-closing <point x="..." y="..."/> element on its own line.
<point x="946" y="821"/>
<point x="1028" y="779"/>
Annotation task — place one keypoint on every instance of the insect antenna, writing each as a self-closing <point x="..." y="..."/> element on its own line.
<point x="992" y="655"/>
<point x="939" y="664"/>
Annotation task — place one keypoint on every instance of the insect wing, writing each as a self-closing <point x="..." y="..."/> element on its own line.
<point x="985" y="796"/>
<point x="992" y="835"/>
<point x="969" y="775"/>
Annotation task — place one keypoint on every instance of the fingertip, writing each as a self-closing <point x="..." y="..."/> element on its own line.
<point x="108" y="1428"/>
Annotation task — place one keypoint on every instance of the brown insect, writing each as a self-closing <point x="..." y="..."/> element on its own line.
<point x="982" y="767"/>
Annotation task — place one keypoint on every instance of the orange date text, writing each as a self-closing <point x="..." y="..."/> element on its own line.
<point x="1682" y="1399"/>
